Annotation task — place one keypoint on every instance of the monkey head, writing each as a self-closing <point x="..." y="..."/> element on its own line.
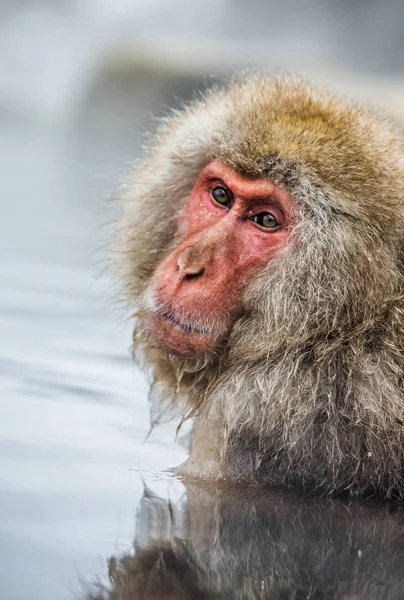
<point x="228" y="184"/>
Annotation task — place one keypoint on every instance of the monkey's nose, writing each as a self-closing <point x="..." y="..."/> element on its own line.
<point x="191" y="272"/>
<point x="194" y="275"/>
<point x="189" y="269"/>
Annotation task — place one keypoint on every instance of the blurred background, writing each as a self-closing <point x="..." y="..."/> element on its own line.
<point x="79" y="81"/>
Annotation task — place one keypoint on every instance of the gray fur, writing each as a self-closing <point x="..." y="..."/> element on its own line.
<point x="308" y="383"/>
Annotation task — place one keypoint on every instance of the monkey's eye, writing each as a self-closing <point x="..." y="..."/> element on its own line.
<point x="221" y="196"/>
<point x="266" y="220"/>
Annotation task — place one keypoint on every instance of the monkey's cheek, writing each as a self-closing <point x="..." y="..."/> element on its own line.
<point x="172" y="338"/>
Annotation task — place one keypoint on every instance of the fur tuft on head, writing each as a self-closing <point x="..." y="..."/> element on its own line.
<point x="308" y="383"/>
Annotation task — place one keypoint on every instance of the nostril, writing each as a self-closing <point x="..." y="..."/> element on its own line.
<point x="195" y="275"/>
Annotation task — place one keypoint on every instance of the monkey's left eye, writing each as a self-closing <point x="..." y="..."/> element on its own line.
<point x="266" y="220"/>
<point x="221" y="196"/>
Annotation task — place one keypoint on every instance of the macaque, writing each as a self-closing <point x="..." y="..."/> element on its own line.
<point x="261" y="250"/>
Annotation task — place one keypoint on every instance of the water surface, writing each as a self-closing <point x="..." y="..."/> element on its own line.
<point x="73" y="411"/>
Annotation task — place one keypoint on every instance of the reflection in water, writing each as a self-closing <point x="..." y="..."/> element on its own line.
<point x="247" y="543"/>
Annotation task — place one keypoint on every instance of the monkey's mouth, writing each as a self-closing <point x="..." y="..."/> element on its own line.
<point x="176" y="334"/>
<point x="187" y="327"/>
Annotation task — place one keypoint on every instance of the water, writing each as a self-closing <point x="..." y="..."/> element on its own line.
<point x="249" y="544"/>
<point x="73" y="411"/>
<point x="83" y="495"/>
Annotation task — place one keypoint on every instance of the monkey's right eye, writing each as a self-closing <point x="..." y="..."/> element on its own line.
<point x="221" y="196"/>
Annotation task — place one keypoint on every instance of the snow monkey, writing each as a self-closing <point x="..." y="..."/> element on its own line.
<point x="261" y="250"/>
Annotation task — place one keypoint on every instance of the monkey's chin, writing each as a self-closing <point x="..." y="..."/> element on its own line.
<point x="179" y="340"/>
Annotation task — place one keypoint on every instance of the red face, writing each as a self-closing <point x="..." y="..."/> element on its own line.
<point x="231" y="227"/>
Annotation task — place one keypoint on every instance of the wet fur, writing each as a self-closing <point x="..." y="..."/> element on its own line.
<point x="308" y="384"/>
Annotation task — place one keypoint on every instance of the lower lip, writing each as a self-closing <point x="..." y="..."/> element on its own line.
<point x="170" y="335"/>
<point x="185" y="328"/>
